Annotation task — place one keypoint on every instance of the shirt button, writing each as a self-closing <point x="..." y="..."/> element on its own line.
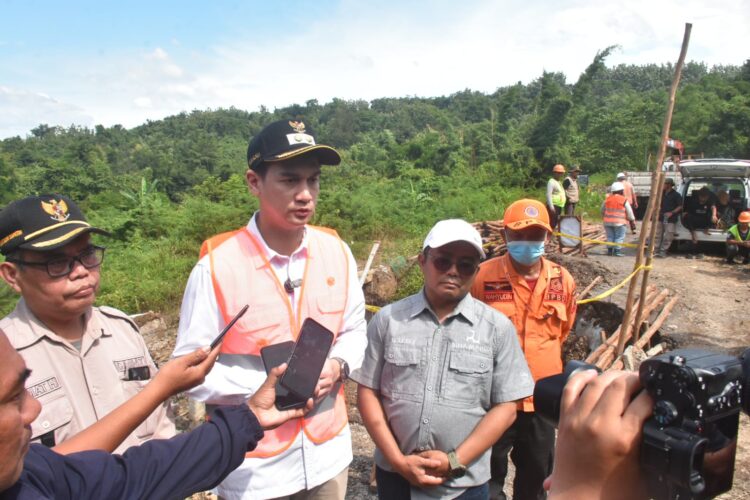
<point x="434" y="358"/>
<point x="46" y="424"/>
<point x="390" y="356"/>
<point x="481" y="365"/>
<point x="429" y="387"/>
<point x="426" y="421"/>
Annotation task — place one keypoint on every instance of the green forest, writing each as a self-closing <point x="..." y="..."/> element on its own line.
<point x="163" y="187"/>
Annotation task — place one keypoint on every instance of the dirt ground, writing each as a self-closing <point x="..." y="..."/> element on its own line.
<point x="711" y="314"/>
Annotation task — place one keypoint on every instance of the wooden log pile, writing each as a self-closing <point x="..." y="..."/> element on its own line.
<point x="656" y="305"/>
<point x="492" y="239"/>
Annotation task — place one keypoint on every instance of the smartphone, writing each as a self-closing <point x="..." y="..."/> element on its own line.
<point x="276" y="354"/>
<point x="273" y="355"/>
<point x="307" y="360"/>
<point x="219" y="337"/>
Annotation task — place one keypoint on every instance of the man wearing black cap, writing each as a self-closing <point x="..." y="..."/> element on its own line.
<point x="286" y="271"/>
<point x="85" y="360"/>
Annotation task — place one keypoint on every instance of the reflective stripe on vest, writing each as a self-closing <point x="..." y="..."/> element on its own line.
<point x="735" y="232"/>
<point x="241" y="274"/>
<point x="614" y="210"/>
<point x="558" y="194"/>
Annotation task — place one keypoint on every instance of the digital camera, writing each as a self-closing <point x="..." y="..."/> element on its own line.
<point x="689" y="443"/>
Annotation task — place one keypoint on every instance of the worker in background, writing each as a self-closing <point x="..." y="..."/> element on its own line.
<point x="616" y="215"/>
<point x="628" y="190"/>
<point x="738" y="239"/>
<point x="538" y="296"/>
<point x="725" y="212"/>
<point x="572" y="196"/>
<point x="669" y="212"/>
<point x="700" y="214"/>
<point x="555" y="195"/>
<point x="86" y="360"/>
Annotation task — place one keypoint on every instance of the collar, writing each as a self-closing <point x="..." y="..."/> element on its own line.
<point x="464" y="308"/>
<point x="271" y="254"/>
<point x="34" y="329"/>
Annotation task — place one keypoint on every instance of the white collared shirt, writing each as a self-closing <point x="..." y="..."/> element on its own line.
<point x="233" y="378"/>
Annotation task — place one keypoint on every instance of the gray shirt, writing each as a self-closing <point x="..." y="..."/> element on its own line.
<point x="436" y="381"/>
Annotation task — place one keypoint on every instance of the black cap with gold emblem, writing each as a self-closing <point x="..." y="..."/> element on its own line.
<point x="42" y="223"/>
<point x="287" y="139"/>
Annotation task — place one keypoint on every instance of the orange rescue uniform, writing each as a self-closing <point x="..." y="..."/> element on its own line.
<point x="543" y="316"/>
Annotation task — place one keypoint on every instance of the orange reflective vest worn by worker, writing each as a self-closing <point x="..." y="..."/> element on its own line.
<point x="614" y="211"/>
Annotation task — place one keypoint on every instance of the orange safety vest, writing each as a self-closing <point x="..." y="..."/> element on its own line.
<point x="614" y="210"/>
<point x="242" y="274"/>
<point x="543" y="317"/>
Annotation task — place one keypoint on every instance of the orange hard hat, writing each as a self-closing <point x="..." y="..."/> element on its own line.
<point x="526" y="213"/>
<point x="744" y="216"/>
<point x="558" y="169"/>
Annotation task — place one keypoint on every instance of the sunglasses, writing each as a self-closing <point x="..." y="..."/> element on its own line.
<point x="90" y="258"/>
<point x="465" y="267"/>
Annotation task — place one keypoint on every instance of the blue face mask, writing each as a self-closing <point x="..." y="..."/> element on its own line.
<point x="526" y="252"/>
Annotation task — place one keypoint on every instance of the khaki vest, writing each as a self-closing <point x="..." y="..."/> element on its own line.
<point x="241" y="274"/>
<point x="571" y="192"/>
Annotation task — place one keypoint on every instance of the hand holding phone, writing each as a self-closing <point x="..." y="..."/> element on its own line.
<point x="307" y="360"/>
<point x="272" y="356"/>
<point x="226" y="329"/>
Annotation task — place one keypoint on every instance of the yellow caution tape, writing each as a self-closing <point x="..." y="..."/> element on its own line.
<point x="598" y="242"/>
<point x="372" y="309"/>
<point x="614" y="288"/>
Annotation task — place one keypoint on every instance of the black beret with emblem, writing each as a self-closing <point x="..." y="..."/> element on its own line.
<point x="42" y="223"/>
<point x="287" y="139"/>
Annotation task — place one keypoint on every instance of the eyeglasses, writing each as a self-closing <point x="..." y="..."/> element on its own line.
<point x="90" y="258"/>
<point x="464" y="267"/>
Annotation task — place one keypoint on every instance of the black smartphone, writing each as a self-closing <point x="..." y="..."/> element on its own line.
<point x="228" y="327"/>
<point x="139" y="373"/>
<point x="307" y="360"/>
<point x="274" y="355"/>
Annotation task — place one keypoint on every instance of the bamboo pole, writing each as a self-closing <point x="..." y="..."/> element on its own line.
<point x="652" y="206"/>
<point x="663" y="315"/>
<point x="587" y="290"/>
<point x="374" y="250"/>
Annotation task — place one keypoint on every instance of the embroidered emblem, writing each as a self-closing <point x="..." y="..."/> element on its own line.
<point x="58" y="210"/>
<point x="531" y="211"/>
<point x="331" y="281"/>
<point x="298" y="127"/>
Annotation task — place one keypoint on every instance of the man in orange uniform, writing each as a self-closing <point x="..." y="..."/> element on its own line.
<point x="539" y="298"/>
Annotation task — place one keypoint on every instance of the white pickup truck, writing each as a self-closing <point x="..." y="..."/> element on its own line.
<point x="730" y="175"/>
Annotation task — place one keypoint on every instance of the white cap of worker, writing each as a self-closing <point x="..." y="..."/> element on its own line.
<point x="450" y="230"/>
<point x="621" y="175"/>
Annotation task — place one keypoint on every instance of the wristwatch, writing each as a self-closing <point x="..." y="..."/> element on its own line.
<point x="456" y="469"/>
<point x="343" y="369"/>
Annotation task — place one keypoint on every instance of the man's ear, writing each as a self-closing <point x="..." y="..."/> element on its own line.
<point x="9" y="273"/>
<point x="253" y="182"/>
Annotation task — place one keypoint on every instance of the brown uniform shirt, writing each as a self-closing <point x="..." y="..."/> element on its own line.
<point x="76" y="388"/>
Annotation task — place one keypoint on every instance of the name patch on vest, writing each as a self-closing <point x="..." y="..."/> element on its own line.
<point x="44" y="387"/>
<point x="122" y="365"/>
<point x="498" y="291"/>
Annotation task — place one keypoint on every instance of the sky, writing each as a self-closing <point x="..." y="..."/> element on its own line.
<point x="105" y="62"/>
